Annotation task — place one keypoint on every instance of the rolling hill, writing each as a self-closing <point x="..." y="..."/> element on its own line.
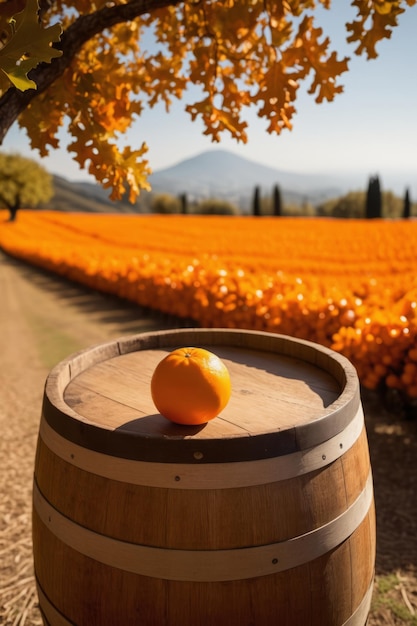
<point x="213" y="174"/>
<point x="84" y="197"/>
<point x="223" y="174"/>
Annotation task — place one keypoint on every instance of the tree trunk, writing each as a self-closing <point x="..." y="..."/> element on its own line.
<point x="13" y="209"/>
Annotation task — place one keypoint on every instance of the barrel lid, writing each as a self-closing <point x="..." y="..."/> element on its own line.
<point x="287" y="395"/>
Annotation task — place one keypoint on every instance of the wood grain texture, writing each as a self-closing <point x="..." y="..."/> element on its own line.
<point x="202" y="518"/>
<point x="116" y="483"/>
<point x="203" y="476"/>
<point x="317" y="594"/>
<point x="206" y="565"/>
<point x="287" y="395"/>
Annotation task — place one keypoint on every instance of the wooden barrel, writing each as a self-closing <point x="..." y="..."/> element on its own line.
<point x="263" y="516"/>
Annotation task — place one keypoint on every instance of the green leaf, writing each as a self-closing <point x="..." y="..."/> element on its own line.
<point x="29" y="44"/>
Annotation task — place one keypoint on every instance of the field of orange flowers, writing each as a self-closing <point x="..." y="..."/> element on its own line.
<point x="347" y="284"/>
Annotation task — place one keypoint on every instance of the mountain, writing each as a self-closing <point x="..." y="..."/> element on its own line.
<point x="223" y="174"/>
<point x="213" y="174"/>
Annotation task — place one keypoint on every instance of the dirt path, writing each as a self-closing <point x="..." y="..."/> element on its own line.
<point x="44" y="319"/>
<point x="21" y="381"/>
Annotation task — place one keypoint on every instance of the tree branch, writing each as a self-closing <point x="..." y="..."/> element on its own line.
<point x="13" y="102"/>
<point x="44" y="6"/>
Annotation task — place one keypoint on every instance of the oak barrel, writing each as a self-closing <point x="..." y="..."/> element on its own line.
<point x="263" y="516"/>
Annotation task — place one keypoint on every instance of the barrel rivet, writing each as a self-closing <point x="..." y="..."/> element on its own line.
<point x="323" y="457"/>
<point x="177" y="478"/>
<point x="198" y="455"/>
<point x="340" y="445"/>
<point x="274" y="561"/>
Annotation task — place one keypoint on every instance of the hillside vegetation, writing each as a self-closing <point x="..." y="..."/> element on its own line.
<point x="70" y="196"/>
<point x="84" y="197"/>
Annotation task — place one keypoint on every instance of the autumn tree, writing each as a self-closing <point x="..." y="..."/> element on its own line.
<point x="24" y="43"/>
<point x="99" y="74"/>
<point x="23" y="183"/>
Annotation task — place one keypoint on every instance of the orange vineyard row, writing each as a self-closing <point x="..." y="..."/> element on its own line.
<point x="347" y="284"/>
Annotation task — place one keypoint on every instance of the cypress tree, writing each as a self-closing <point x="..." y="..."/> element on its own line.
<point x="277" y="202"/>
<point x="257" y="202"/>
<point x="373" y="207"/>
<point x="184" y="203"/>
<point x="407" y="205"/>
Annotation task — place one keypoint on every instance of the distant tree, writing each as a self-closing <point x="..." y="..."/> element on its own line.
<point x="307" y="209"/>
<point x="349" y="205"/>
<point x="294" y="209"/>
<point x="256" y="205"/>
<point x="373" y="204"/>
<point x="276" y="201"/>
<point x="392" y="205"/>
<point x="23" y="184"/>
<point x="407" y="205"/>
<point x="165" y="203"/>
<point x="352" y="205"/>
<point x="214" y="206"/>
<point x="184" y="203"/>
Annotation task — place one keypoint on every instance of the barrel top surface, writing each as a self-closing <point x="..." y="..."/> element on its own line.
<point x="278" y="385"/>
<point x="269" y="391"/>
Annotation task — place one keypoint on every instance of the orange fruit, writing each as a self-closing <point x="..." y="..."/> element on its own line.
<point x="190" y="386"/>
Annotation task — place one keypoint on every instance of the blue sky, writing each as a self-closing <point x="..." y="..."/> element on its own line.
<point x="370" y="128"/>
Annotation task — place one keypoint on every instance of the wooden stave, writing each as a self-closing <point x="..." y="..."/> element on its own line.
<point x="344" y="408"/>
<point x="223" y="603"/>
<point x="354" y="616"/>
<point x="52" y="616"/>
<point x="90" y="509"/>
